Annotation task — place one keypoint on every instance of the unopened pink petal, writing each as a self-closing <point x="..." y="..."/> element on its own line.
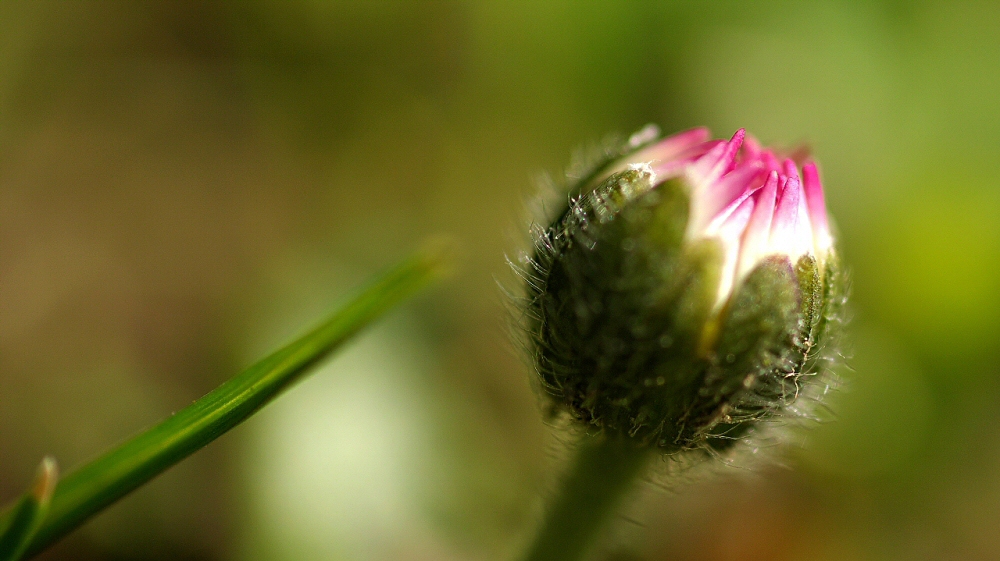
<point x="728" y="160"/>
<point x="770" y="161"/>
<point x="758" y="230"/>
<point x="788" y="234"/>
<point x="751" y="148"/>
<point x="700" y="172"/>
<point x="672" y="146"/>
<point x="754" y="202"/>
<point x="717" y="161"/>
<point x="718" y="202"/>
<point x="789" y="169"/>
<point x="731" y="233"/>
<point x="803" y="214"/>
<point x="666" y="169"/>
<point x="816" y="202"/>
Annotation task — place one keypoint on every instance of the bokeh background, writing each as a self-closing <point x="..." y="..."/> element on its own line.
<point x="184" y="185"/>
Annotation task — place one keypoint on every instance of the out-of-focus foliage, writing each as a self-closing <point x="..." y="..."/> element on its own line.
<point x="181" y="184"/>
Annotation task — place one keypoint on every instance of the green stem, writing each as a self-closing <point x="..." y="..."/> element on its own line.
<point x="96" y="485"/>
<point x="604" y="469"/>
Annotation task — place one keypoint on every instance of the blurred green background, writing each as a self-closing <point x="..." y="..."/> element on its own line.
<point x="183" y="185"/>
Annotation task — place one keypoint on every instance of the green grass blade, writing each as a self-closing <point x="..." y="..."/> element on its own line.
<point x="96" y="485"/>
<point x="29" y="512"/>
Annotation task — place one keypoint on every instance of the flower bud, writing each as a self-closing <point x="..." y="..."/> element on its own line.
<point x="687" y="291"/>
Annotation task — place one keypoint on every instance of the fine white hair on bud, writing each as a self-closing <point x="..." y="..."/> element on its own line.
<point x="688" y="289"/>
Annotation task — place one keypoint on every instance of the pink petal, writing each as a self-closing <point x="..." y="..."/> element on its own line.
<point x="670" y="147"/>
<point x="728" y="160"/>
<point x="667" y="169"/>
<point x="730" y="232"/>
<point x="737" y="221"/>
<point x="803" y="214"/>
<point x="758" y="230"/>
<point x="687" y="145"/>
<point x="751" y="148"/>
<point x="770" y="161"/>
<point x="789" y="235"/>
<point x="817" y="208"/>
<point x="789" y="169"/>
<point x="699" y="172"/>
<point x="716" y="203"/>
<point x="718" y="161"/>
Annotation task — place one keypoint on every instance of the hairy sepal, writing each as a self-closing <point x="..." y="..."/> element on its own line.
<point x="621" y="306"/>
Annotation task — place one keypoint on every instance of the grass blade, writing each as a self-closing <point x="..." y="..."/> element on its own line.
<point x="29" y="512"/>
<point x="91" y="488"/>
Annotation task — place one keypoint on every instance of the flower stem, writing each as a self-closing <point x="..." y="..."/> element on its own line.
<point x="603" y="471"/>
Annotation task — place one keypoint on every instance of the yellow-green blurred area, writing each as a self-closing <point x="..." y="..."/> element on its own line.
<point x="184" y="185"/>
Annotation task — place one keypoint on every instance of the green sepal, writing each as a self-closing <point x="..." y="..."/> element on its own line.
<point x="620" y="305"/>
<point x="753" y="365"/>
<point x="811" y="290"/>
<point x="835" y="290"/>
<point x="826" y="332"/>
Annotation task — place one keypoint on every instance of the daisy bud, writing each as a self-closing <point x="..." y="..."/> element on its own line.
<point x="686" y="292"/>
